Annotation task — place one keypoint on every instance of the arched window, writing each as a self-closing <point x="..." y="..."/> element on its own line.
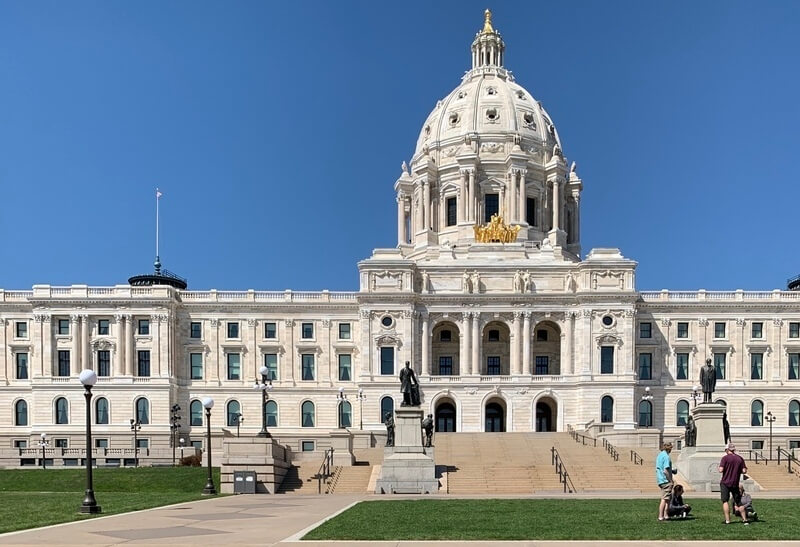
<point x="682" y="413"/>
<point x="607" y="409"/>
<point x="21" y="413"/>
<point x="62" y="411"/>
<point x="143" y="410"/>
<point x="387" y="407"/>
<point x="794" y="413"/>
<point x="101" y="411"/>
<point x="234" y="410"/>
<point x="307" y="418"/>
<point x="196" y="413"/>
<point x="345" y="414"/>
<point x="757" y="413"/>
<point x="645" y="414"/>
<point x="272" y="414"/>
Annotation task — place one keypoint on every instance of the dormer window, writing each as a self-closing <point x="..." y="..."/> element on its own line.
<point x="492" y="115"/>
<point x="491" y="91"/>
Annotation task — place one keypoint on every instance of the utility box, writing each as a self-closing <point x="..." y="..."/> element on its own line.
<point x="244" y="482"/>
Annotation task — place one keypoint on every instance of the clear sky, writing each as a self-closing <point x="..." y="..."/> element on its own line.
<point x="277" y="129"/>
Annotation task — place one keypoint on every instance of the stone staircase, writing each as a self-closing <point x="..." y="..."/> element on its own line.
<point x="300" y="479"/>
<point x="771" y="476"/>
<point x="355" y="478"/>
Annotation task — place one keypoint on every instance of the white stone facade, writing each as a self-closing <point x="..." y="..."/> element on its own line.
<point x="513" y="336"/>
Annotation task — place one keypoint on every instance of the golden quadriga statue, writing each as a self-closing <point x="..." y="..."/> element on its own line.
<point x="496" y="231"/>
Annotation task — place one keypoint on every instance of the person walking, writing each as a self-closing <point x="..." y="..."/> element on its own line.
<point x="664" y="473"/>
<point x="731" y="466"/>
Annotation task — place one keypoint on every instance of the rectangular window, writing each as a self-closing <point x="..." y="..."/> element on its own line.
<point x="307" y="331"/>
<point x="270" y="330"/>
<point x="144" y="327"/>
<point x="142" y="443"/>
<point x="197" y="445"/>
<point x="494" y="335"/>
<point x="234" y="366"/>
<point x="103" y="362"/>
<point x="794" y="330"/>
<point x="61" y="443"/>
<point x="101" y="443"/>
<point x="541" y="335"/>
<point x="756" y="366"/>
<point x="719" y="330"/>
<point x="344" y="331"/>
<point x="757" y="445"/>
<point x="794" y="366"/>
<point x="446" y="335"/>
<point x="63" y="326"/>
<point x="645" y="330"/>
<point x="493" y="365"/>
<point x="103" y="327"/>
<point x="757" y="330"/>
<point x="307" y="360"/>
<point x="196" y="365"/>
<point x="445" y="366"/>
<point x="645" y="366"/>
<point x="20" y="443"/>
<point x="530" y="211"/>
<point x="21" y="329"/>
<point x="452" y="218"/>
<point x="387" y="360"/>
<point x="683" y="330"/>
<point x="63" y="362"/>
<point x="794" y="444"/>
<point x="271" y="362"/>
<point x="719" y="365"/>
<point x="195" y="329"/>
<point x="682" y="368"/>
<point x="233" y="330"/>
<point x="345" y="362"/>
<point x="22" y="366"/>
<point x="491" y="206"/>
<point x="607" y="360"/>
<point x="143" y="363"/>
<point x="307" y="446"/>
<point x="542" y="364"/>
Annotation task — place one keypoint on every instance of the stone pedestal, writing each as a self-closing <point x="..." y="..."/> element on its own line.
<point x="408" y="468"/>
<point x="264" y="455"/>
<point x="699" y="465"/>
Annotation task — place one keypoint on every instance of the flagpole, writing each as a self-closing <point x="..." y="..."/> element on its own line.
<point x="158" y="195"/>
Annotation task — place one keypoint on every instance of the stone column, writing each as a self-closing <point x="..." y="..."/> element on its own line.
<point x="129" y="345"/>
<point x="526" y="343"/>
<point x="472" y="204"/>
<point x="556" y="208"/>
<point x="466" y="346"/>
<point x="515" y="336"/>
<point x="777" y="352"/>
<point x="568" y="358"/>
<point x="522" y="197"/>
<point x="155" y="352"/>
<point x="119" y="355"/>
<point x="462" y="196"/>
<point x="5" y="374"/>
<point x="476" y="343"/>
<point x="75" y="332"/>
<point x="401" y="220"/>
<point x="426" y="346"/>
<point x="426" y="204"/>
<point x="419" y="211"/>
<point x="502" y="202"/>
<point x="86" y="357"/>
<point x="292" y="355"/>
<point x="46" y="345"/>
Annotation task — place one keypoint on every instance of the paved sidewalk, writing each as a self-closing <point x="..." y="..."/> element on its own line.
<point x="255" y="520"/>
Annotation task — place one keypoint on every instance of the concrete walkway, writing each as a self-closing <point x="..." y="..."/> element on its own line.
<point x="249" y="520"/>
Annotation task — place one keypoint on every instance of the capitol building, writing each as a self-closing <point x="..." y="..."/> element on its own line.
<point x="508" y="323"/>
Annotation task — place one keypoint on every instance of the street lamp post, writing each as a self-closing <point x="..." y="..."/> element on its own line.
<point x="341" y="397"/>
<point x="182" y="442"/>
<point x="770" y="418"/>
<point x="174" y="427"/>
<point x="209" y="490"/>
<point x="361" y="398"/>
<point x="135" y="427"/>
<point x="265" y="385"/>
<point x="43" y="443"/>
<point x="88" y="379"/>
<point x="647" y="396"/>
<point x="239" y="420"/>
<point x="695" y="395"/>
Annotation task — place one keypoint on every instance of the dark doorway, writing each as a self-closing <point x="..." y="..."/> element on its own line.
<point x="445" y="418"/>
<point x="495" y="418"/>
<point x="544" y="417"/>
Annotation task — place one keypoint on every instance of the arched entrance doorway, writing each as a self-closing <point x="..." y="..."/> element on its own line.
<point x="495" y="418"/>
<point x="546" y="414"/>
<point x="445" y="417"/>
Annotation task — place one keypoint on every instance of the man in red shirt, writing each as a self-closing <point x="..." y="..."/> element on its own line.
<point x="731" y="466"/>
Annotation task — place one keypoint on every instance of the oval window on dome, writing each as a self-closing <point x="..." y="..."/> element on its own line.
<point x="453" y="119"/>
<point x="492" y="115"/>
<point x="462" y="94"/>
<point x="491" y="91"/>
<point x="521" y="95"/>
<point x="529" y="119"/>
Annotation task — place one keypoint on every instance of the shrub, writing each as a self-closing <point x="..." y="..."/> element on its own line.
<point x="194" y="460"/>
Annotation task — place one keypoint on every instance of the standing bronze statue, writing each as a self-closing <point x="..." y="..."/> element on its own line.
<point x="708" y="380"/>
<point x="691" y="432"/>
<point x="726" y="427"/>
<point x="409" y="386"/>
<point x="389" y="422"/>
<point x="427" y="425"/>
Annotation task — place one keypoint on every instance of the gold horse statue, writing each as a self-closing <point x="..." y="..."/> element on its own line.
<point x="496" y="231"/>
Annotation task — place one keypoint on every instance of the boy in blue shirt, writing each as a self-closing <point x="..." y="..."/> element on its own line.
<point x="664" y="473"/>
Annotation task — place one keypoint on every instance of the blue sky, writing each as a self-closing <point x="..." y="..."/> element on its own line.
<point x="276" y="131"/>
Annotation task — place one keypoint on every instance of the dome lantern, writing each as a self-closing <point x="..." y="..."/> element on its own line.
<point x="488" y="47"/>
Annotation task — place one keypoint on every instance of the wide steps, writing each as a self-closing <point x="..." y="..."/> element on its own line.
<point x="300" y="479"/>
<point x="771" y="476"/>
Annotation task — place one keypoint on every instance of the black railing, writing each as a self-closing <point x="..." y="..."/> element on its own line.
<point x="324" y="472"/>
<point x="561" y="469"/>
<point x="583" y="439"/>
<point x="757" y="456"/>
<point x="636" y="458"/>
<point x="611" y="449"/>
<point x="790" y="458"/>
<point x="793" y="283"/>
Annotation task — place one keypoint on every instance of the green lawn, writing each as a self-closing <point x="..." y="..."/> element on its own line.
<point x="36" y="497"/>
<point x="554" y="519"/>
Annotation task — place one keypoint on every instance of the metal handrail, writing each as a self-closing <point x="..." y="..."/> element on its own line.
<point x="636" y="458"/>
<point x="324" y="472"/>
<point x="580" y="438"/>
<point x="611" y="449"/>
<point x="789" y="457"/>
<point x="757" y="456"/>
<point x="561" y="469"/>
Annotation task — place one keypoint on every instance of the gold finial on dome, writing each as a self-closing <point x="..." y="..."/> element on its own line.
<point x="487" y="22"/>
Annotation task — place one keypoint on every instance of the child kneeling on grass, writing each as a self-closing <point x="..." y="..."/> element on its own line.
<point x="746" y="501"/>
<point x="676" y="507"/>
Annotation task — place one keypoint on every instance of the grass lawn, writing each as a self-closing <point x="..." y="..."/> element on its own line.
<point x="36" y="497"/>
<point x="554" y="519"/>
